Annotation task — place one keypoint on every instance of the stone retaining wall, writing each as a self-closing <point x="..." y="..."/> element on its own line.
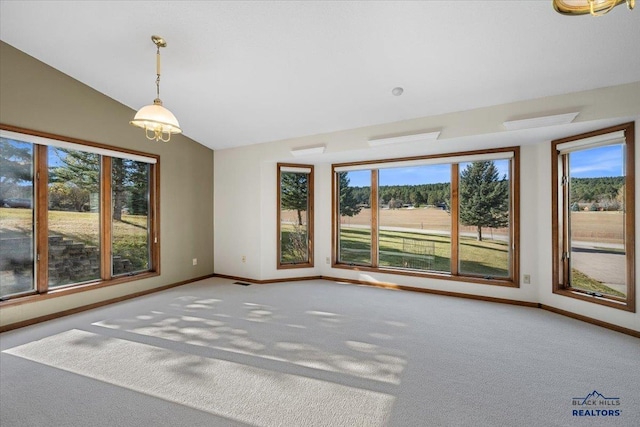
<point x="69" y="262"/>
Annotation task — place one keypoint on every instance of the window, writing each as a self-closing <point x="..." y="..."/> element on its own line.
<point x="295" y="216"/>
<point x="74" y="215"/>
<point x="593" y="217"/>
<point x="414" y="224"/>
<point x="449" y="216"/>
<point x="16" y="217"/>
<point x="130" y="220"/>
<point x="484" y="236"/>
<point x="354" y="208"/>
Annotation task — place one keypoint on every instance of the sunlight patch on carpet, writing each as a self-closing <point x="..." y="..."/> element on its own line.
<point x="364" y="360"/>
<point x="244" y="393"/>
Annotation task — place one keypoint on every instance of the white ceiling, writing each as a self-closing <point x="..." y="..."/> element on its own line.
<point x="238" y="73"/>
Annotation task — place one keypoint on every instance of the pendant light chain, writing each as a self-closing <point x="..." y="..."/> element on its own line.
<point x="158" y="75"/>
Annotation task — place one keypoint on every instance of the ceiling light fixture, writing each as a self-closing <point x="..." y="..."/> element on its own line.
<point x="158" y="122"/>
<point x="397" y="91"/>
<point x="594" y="7"/>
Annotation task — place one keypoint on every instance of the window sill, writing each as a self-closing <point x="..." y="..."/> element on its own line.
<point x="55" y="293"/>
<point x="292" y="266"/>
<point x="431" y="275"/>
<point x="601" y="300"/>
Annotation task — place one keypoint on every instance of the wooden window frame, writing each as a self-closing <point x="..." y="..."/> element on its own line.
<point x="514" y="202"/>
<point x="41" y="289"/>
<point x="310" y="220"/>
<point x="559" y="229"/>
<point x="335" y="218"/>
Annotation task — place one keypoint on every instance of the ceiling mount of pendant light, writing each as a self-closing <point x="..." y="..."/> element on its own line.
<point x="158" y="122"/>
<point x="593" y="7"/>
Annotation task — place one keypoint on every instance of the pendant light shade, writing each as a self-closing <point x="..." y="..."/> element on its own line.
<point x="158" y="122"/>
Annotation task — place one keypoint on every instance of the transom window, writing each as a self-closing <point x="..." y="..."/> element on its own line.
<point x="73" y="214"/>
<point x="454" y="215"/>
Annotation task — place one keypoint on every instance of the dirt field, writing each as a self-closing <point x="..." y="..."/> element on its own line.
<point x="432" y="219"/>
<point x="419" y="218"/>
<point x="600" y="227"/>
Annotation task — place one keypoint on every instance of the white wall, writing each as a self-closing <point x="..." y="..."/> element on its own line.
<point x="245" y="191"/>
<point x="245" y="196"/>
<point x="237" y="212"/>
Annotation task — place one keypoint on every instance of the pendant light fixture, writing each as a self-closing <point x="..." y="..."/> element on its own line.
<point x="593" y="7"/>
<point x="158" y="122"/>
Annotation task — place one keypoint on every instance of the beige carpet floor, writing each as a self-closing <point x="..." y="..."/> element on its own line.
<point x="316" y="353"/>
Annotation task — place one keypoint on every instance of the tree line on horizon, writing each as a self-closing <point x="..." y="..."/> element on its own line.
<point x="604" y="192"/>
<point x="398" y="195"/>
<point x="583" y="190"/>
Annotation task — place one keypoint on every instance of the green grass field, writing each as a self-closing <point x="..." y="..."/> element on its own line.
<point x="581" y="281"/>
<point x="130" y="239"/>
<point x="487" y="258"/>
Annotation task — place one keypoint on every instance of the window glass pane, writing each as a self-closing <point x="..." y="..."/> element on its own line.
<point x="414" y="218"/>
<point x="354" y="204"/>
<point x="484" y="231"/>
<point x="597" y="220"/>
<point x="16" y="217"/>
<point x="130" y="218"/>
<point x="74" y="216"/>
<point x="294" y="209"/>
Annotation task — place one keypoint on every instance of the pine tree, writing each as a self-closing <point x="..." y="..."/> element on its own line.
<point x="294" y="192"/>
<point x="484" y="197"/>
<point x="16" y="160"/>
<point x="80" y="173"/>
<point x="139" y="180"/>
<point x="118" y="182"/>
<point x="79" y="168"/>
<point x="348" y="203"/>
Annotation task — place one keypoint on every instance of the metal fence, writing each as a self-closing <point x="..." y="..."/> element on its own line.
<point x="418" y="254"/>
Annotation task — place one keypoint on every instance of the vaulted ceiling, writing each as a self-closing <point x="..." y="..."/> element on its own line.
<point x="239" y="73"/>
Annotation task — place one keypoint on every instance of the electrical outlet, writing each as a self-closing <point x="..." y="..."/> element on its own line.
<point x="244" y="258"/>
<point x="526" y="279"/>
<point x="328" y="260"/>
<point x="195" y="261"/>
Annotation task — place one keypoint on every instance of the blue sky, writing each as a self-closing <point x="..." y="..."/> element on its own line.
<point x="54" y="156"/>
<point x="415" y="175"/>
<point x="431" y="174"/>
<point x="597" y="162"/>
